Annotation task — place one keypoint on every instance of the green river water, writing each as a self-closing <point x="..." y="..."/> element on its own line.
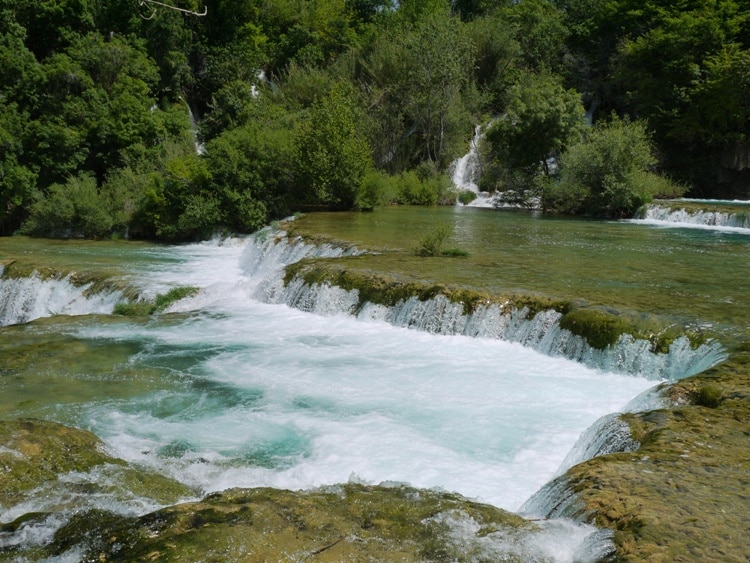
<point x="698" y="277"/>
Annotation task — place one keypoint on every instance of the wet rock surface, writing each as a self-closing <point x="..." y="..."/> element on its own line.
<point x="685" y="494"/>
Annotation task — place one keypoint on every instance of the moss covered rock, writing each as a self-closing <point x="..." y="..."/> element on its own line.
<point x="34" y="454"/>
<point x="685" y="494"/>
<point x="345" y="523"/>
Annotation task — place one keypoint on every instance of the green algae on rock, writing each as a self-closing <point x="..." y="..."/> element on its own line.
<point x="348" y="522"/>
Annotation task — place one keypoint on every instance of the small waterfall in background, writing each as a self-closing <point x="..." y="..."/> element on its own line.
<point x="466" y="172"/>
<point x="26" y="299"/>
<point x="673" y="215"/>
<point x="200" y="148"/>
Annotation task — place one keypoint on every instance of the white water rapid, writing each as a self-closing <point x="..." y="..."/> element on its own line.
<point x="25" y="299"/>
<point x="253" y="392"/>
<point x="674" y="216"/>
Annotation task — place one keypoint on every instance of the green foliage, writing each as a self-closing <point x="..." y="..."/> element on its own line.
<point x="608" y="174"/>
<point x="541" y="119"/>
<point x="375" y="191"/>
<point x="332" y="155"/>
<point x="432" y="243"/>
<point x="73" y="209"/>
<point x="541" y="32"/>
<point x="94" y="90"/>
<point x="466" y="197"/>
<point x="496" y="51"/>
<point x="673" y="64"/>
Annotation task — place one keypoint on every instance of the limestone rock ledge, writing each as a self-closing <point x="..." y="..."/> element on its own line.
<point x="684" y="495"/>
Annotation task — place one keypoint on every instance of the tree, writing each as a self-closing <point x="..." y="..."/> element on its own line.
<point x="541" y="33"/>
<point x="609" y="174"/>
<point x="541" y="119"/>
<point x="332" y="154"/>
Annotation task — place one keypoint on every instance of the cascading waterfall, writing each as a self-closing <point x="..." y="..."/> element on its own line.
<point x="28" y="298"/>
<point x="541" y="332"/>
<point x="256" y="270"/>
<point x="661" y="214"/>
<point x="466" y="169"/>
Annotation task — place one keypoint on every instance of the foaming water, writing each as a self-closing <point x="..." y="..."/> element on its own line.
<point x="724" y="221"/>
<point x="234" y="391"/>
<point x="25" y="299"/>
<point x="294" y="400"/>
<point x="258" y="394"/>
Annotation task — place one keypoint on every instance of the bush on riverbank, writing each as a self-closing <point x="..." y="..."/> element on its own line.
<point x="609" y="173"/>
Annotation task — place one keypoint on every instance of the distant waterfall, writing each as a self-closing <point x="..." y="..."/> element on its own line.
<point x="267" y="254"/>
<point x="466" y="169"/>
<point x="659" y="213"/>
<point x="200" y="148"/>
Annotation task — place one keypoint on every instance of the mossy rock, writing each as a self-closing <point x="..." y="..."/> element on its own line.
<point x="683" y="496"/>
<point x="35" y="453"/>
<point x="600" y="327"/>
<point x="603" y="327"/>
<point x="345" y="523"/>
<point x="380" y="289"/>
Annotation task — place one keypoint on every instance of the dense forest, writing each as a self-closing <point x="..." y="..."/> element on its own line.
<point x="130" y="118"/>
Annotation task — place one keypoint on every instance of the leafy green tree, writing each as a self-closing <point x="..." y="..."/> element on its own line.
<point x="73" y="209"/>
<point x="251" y="168"/>
<point x="541" y="119"/>
<point x="417" y="75"/>
<point x="496" y="52"/>
<point x="609" y="174"/>
<point x="332" y="154"/>
<point x="17" y="182"/>
<point x="541" y="33"/>
<point x="437" y="73"/>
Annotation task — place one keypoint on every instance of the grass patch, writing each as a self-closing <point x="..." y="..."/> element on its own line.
<point x="158" y="304"/>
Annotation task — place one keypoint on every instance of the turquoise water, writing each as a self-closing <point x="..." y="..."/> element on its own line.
<point x="227" y="390"/>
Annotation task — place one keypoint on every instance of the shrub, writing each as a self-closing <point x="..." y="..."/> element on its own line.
<point x="73" y="209"/>
<point x="376" y="190"/>
<point x="609" y="173"/>
<point x="431" y="244"/>
<point x="466" y="197"/>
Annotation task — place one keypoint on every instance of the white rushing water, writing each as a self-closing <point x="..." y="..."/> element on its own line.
<point x="314" y="399"/>
<point x="25" y="299"/>
<point x="262" y="394"/>
<point x="669" y="216"/>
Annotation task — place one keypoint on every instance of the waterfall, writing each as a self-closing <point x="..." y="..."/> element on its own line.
<point x="25" y="299"/>
<point x="267" y="254"/>
<point x="608" y="435"/>
<point x="466" y="172"/>
<point x="200" y="148"/>
<point x="466" y="169"/>
<point x="662" y="214"/>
